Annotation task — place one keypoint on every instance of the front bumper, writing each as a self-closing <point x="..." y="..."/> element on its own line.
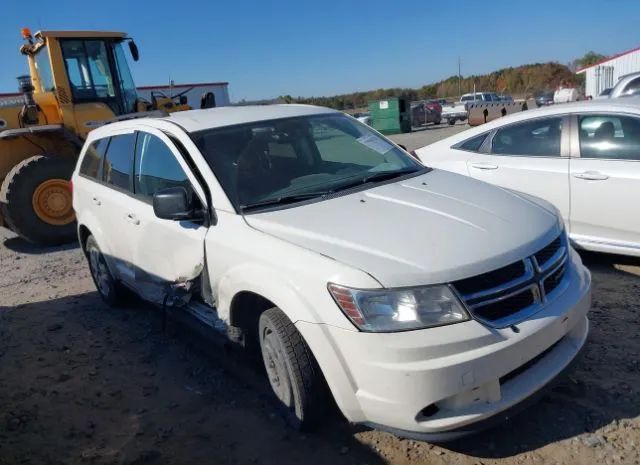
<point x="438" y="383"/>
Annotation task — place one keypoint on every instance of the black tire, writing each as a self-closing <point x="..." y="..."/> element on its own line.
<point x="451" y="122"/>
<point x="16" y="197"/>
<point x="292" y="370"/>
<point x="109" y="289"/>
<point x="436" y="122"/>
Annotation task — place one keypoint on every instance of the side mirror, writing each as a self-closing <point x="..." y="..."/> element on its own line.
<point x="174" y="203"/>
<point x="133" y="48"/>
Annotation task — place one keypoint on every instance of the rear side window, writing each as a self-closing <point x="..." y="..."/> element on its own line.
<point x="609" y="137"/>
<point x="156" y="167"/>
<point x="540" y="137"/>
<point x="473" y="144"/>
<point x="118" y="164"/>
<point x="633" y="88"/>
<point x="92" y="162"/>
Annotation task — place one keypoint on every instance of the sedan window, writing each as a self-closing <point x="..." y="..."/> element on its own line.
<point x="609" y="137"/>
<point x="473" y="144"/>
<point x="540" y="137"/>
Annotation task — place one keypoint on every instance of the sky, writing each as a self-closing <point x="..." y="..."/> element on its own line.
<point x="313" y="48"/>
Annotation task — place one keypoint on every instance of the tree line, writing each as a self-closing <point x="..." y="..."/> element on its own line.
<point x="525" y="80"/>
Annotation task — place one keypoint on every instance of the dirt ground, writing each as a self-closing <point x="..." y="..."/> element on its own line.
<point x="82" y="383"/>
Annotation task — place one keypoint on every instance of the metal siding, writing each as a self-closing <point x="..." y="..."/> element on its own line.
<point x="625" y="64"/>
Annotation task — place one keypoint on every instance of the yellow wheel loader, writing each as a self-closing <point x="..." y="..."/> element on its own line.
<point x="78" y="80"/>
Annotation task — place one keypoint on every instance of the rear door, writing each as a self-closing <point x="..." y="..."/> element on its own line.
<point x="165" y="252"/>
<point x="112" y="199"/>
<point x="530" y="157"/>
<point x="605" y="180"/>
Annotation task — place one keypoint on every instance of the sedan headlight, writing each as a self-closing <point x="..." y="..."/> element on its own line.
<point x="383" y="310"/>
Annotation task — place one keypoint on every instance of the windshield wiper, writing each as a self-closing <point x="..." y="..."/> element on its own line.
<point x="379" y="176"/>
<point x="285" y="199"/>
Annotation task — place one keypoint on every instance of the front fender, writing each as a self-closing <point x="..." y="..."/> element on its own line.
<point x="308" y="303"/>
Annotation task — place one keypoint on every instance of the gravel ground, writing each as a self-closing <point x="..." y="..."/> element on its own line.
<point x="82" y="383"/>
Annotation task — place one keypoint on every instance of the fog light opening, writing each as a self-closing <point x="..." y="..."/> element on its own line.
<point x="429" y="411"/>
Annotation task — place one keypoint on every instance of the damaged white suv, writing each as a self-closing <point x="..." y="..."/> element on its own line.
<point x="426" y="302"/>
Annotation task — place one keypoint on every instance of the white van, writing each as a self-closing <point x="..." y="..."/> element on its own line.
<point x="426" y="303"/>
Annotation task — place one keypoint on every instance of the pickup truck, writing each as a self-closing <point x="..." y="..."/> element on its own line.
<point x="458" y="111"/>
<point x="422" y="302"/>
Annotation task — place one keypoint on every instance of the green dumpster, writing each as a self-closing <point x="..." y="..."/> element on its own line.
<point x="391" y="115"/>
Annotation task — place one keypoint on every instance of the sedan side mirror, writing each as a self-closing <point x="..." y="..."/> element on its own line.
<point x="174" y="203"/>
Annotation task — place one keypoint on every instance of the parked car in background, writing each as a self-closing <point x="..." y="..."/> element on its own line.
<point x="480" y="97"/>
<point x="364" y="117"/>
<point x="626" y="86"/>
<point x="434" y="105"/>
<point x="505" y="98"/>
<point x="452" y="112"/>
<point x="423" y="113"/>
<point x="427" y="303"/>
<point x="606" y="93"/>
<point x="583" y="157"/>
<point x="544" y="99"/>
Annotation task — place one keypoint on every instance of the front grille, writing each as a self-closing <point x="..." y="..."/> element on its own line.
<point x="547" y="252"/>
<point x="511" y="293"/>
<point x="554" y="279"/>
<point x="491" y="279"/>
<point x="507" y="306"/>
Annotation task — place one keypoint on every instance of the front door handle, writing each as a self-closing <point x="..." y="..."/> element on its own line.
<point x="133" y="219"/>
<point x="484" y="166"/>
<point x="591" y="176"/>
<point x="96" y="200"/>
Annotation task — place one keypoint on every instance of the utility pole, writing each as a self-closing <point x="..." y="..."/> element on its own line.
<point x="459" y="78"/>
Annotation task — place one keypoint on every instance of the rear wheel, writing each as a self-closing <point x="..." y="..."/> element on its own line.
<point x="108" y="288"/>
<point x="451" y="122"/>
<point x="293" y="373"/>
<point x="37" y="202"/>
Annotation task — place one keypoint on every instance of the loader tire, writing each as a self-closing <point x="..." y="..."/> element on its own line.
<point x="36" y="200"/>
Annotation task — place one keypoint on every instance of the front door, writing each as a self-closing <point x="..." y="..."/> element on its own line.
<point x="605" y="181"/>
<point x="530" y="157"/>
<point x="164" y="252"/>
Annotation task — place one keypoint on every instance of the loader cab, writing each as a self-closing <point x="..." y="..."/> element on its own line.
<point x="81" y="78"/>
<point x="98" y="71"/>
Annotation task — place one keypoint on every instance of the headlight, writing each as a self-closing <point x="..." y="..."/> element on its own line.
<point x="381" y="310"/>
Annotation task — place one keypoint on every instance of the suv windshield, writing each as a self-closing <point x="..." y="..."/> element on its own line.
<point x="270" y="163"/>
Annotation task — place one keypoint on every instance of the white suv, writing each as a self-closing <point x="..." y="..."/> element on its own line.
<point x="426" y="302"/>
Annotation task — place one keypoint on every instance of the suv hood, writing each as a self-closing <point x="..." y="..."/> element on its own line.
<point x="433" y="228"/>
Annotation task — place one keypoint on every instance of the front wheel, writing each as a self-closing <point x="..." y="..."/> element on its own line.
<point x="451" y="122"/>
<point x="293" y="372"/>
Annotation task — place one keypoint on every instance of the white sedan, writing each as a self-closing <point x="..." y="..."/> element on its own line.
<point x="583" y="157"/>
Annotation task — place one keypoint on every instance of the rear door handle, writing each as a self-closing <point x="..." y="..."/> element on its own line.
<point x="133" y="219"/>
<point x="484" y="166"/>
<point x="591" y="176"/>
<point x="96" y="200"/>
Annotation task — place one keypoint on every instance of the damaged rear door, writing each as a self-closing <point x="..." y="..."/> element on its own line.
<point x="165" y="252"/>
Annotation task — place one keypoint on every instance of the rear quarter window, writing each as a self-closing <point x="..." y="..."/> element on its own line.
<point x="91" y="165"/>
<point x="473" y="144"/>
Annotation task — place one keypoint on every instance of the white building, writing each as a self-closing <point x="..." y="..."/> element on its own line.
<point x="193" y="92"/>
<point x="605" y="74"/>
